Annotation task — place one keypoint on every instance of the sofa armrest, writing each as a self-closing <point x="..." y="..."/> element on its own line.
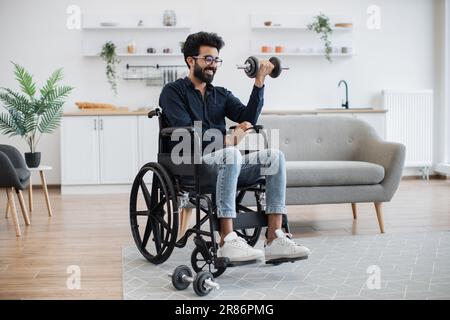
<point x="8" y="175"/>
<point x="389" y="155"/>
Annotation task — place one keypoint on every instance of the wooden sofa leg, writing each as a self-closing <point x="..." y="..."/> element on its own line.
<point x="13" y="211"/>
<point x="378" y="209"/>
<point x="354" y="211"/>
<point x="23" y="207"/>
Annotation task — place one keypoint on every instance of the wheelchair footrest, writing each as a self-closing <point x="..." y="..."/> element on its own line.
<point x="222" y="263"/>
<point x="279" y="261"/>
<point x="241" y="263"/>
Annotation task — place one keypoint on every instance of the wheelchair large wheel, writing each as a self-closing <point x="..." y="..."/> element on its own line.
<point x="154" y="214"/>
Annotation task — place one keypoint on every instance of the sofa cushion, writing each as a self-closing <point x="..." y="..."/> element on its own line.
<point x="332" y="173"/>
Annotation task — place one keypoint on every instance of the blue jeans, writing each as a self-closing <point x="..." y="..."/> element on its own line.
<point x="234" y="166"/>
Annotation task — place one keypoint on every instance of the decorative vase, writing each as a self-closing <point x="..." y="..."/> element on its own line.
<point x="33" y="159"/>
<point x="169" y="18"/>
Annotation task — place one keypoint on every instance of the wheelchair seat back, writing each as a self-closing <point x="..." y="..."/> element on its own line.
<point x="187" y="173"/>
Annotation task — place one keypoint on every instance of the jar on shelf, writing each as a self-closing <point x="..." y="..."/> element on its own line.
<point x="169" y="18"/>
<point x="131" y="47"/>
<point x="266" y="49"/>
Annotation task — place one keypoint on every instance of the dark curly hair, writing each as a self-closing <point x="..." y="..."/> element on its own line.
<point x="194" y="41"/>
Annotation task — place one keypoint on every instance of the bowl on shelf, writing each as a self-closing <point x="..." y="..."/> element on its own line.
<point x="346" y="50"/>
<point x="347" y="25"/>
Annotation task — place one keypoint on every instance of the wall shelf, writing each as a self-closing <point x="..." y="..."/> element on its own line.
<point x="294" y="21"/>
<point x="140" y="55"/>
<point x="179" y="28"/>
<point x="145" y="31"/>
<point x="290" y="32"/>
<point x="300" y="54"/>
<point x="273" y="28"/>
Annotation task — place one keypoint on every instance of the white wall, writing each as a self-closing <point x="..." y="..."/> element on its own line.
<point x="399" y="56"/>
<point x="441" y="142"/>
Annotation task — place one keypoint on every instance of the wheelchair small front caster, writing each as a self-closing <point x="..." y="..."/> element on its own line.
<point x="202" y="283"/>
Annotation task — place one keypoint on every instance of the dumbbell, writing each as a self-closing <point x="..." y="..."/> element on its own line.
<point x="202" y="283"/>
<point x="251" y="67"/>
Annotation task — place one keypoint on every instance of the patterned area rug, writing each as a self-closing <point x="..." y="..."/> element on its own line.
<point x="389" y="266"/>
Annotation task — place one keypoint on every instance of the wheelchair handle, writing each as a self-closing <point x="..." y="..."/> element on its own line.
<point x="154" y="112"/>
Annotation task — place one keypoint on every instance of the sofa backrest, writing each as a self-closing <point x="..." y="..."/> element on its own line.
<point x="314" y="137"/>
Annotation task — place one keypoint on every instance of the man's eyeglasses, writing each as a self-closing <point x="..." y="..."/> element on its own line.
<point x="210" y="59"/>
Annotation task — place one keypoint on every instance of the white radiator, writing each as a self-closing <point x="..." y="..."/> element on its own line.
<point x="409" y="120"/>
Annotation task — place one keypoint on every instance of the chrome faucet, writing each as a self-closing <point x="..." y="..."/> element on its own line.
<point x="344" y="105"/>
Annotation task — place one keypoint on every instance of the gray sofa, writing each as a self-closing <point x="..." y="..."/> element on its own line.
<point x="333" y="159"/>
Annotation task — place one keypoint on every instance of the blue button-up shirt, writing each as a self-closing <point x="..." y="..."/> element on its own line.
<point x="182" y="104"/>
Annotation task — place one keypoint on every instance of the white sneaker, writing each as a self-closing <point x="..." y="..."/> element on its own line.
<point x="283" y="247"/>
<point x="237" y="249"/>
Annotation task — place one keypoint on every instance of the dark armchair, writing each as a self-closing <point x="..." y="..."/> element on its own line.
<point x="14" y="176"/>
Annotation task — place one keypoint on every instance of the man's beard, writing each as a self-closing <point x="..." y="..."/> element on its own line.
<point x="200" y="74"/>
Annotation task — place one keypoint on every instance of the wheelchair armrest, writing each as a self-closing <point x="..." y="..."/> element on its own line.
<point x="168" y="131"/>
<point x="256" y="127"/>
<point x="258" y="130"/>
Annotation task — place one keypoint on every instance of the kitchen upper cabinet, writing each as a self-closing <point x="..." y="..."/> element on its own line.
<point x="118" y="148"/>
<point x="79" y="150"/>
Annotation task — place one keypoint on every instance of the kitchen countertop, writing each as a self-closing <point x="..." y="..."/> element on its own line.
<point x="264" y="111"/>
<point x="105" y="113"/>
<point x="321" y="110"/>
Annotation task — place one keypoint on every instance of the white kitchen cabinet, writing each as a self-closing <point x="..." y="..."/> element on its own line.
<point x="118" y="149"/>
<point x="80" y="150"/>
<point x="148" y="139"/>
<point x="99" y="151"/>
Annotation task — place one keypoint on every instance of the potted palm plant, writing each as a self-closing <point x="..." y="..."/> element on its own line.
<point x="29" y="116"/>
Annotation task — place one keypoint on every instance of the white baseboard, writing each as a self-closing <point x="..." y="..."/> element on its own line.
<point x="96" y="189"/>
<point x="443" y="168"/>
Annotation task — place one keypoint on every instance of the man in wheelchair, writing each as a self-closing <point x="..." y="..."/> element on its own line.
<point x="194" y="98"/>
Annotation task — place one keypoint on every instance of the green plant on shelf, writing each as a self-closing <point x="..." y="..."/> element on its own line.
<point x="109" y="54"/>
<point x="321" y="25"/>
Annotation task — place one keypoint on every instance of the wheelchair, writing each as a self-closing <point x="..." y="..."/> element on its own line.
<point x="154" y="205"/>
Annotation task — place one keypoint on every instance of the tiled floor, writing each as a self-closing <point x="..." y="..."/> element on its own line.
<point x="404" y="265"/>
